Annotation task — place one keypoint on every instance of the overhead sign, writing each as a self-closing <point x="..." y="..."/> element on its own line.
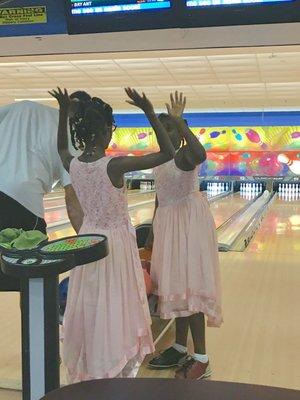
<point x="23" y="15"/>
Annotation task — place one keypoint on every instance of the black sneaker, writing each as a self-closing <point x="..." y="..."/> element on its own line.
<point x="168" y="359"/>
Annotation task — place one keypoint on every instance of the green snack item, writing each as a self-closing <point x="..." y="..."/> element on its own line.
<point x="29" y="240"/>
<point x="9" y="234"/>
<point x="6" y="245"/>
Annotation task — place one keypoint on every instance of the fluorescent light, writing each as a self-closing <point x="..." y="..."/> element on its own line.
<point x="37" y="99"/>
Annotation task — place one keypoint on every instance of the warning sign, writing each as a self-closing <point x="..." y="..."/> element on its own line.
<point x="23" y="15"/>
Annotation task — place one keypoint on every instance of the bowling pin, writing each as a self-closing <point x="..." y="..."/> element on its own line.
<point x="294" y="165"/>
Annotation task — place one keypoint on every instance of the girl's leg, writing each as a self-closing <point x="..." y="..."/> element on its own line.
<point x="197" y="366"/>
<point x="174" y="355"/>
<point x="197" y="325"/>
<point x="182" y="328"/>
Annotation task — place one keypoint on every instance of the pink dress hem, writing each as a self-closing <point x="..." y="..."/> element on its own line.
<point x="138" y="353"/>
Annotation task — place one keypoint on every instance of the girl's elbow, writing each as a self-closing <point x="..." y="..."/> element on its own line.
<point x="168" y="155"/>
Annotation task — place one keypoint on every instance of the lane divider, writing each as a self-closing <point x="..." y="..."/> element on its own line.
<point x="247" y="234"/>
<point x="229" y="235"/>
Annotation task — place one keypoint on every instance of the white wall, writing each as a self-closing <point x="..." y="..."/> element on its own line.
<point x="171" y="39"/>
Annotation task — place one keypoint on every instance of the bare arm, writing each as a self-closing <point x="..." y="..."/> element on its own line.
<point x="193" y="151"/>
<point x="62" y="134"/>
<point x="120" y="165"/>
<point x="74" y="209"/>
<point x="166" y="153"/>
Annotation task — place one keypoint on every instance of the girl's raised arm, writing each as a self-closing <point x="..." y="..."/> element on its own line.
<point x="193" y="152"/>
<point x="121" y="165"/>
<point x="62" y="135"/>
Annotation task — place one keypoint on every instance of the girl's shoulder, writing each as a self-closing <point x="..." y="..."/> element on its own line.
<point x="181" y="160"/>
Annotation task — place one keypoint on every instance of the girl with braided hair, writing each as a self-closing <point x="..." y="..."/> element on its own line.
<point x="107" y="322"/>
<point x="80" y="101"/>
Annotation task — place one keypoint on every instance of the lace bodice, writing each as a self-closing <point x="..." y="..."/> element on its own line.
<point x="104" y="205"/>
<point x="172" y="184"/>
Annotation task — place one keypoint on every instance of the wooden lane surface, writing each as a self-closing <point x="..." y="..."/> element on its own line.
<point x="61" y="214"/>
<point x="222" y="209"/>
<point x="225" y="207"/>
<point x="259" y="340"/>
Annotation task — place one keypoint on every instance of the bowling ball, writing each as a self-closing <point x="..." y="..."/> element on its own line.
<point x="269" y="165"/>
<point x="63" y="294"/>
<point x="147" y="278"/>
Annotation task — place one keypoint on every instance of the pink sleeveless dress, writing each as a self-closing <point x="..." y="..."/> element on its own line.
<point x="185" y="264"/>
<point x="107" y="320"/>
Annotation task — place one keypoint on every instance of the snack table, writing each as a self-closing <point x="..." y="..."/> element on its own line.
<point x="38" y="271"/>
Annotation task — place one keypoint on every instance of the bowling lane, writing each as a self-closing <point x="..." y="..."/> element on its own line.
<point x="279" y="234"/>
<point x="139" y="197"/>
<point x="142" y="214"/>
<point x="58" y="199"/>
<point x="56" y="215"/>
<point x="60" y="214"/>
<point x="54" y="202"/>
<point x="138" y="215"/>
<point x="56" y="193"/>
<point x="222" y="209"/>
<point x="225" y="207"/>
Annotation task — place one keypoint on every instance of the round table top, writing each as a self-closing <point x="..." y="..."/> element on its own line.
<point x="169" y="389"/>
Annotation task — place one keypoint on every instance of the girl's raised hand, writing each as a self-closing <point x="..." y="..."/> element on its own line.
<point x="140" y="101"/>
<point x="177" y="104"/>
<point x="62" y="97"/>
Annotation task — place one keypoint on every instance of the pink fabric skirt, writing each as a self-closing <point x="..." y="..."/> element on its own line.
<point x="185" y="263"/>
<point x="107" y="321"/>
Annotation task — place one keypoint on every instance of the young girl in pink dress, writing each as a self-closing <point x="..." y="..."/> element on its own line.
<point x="107" y="322"/>
<point x="184" y="265"/>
